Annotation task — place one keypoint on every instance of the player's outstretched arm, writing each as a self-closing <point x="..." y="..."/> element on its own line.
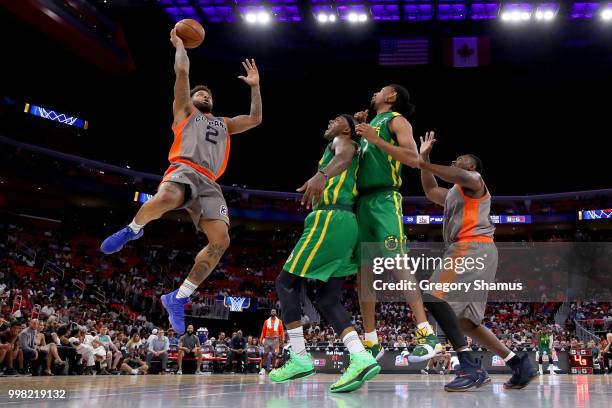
<point x="242" y="123"/>
<point x="344" y="151"/>
<point x="470" y="180"/>
<point x="406" y="150"/>
<point x="182" y="106"/>
<point x="428" y="181"/>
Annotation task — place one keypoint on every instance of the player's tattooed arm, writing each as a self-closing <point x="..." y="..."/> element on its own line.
<point x="344" y="151"/>
<point x="182" y="100"/>
<point x="430" y="186"/>
<point x="242" y="123"/>
<point x="405" y="151"/>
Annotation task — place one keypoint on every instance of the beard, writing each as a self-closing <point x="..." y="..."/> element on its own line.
<point x="203" y="107"/>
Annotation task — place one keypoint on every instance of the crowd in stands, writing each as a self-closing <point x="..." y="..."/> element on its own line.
<point x="83" y="312"/>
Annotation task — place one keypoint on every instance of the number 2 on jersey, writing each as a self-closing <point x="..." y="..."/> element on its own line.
<point x="211" y="134"/>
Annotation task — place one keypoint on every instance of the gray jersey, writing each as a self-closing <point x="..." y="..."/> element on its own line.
<point x="467" y="219"/>
<point x="203" y="143"/>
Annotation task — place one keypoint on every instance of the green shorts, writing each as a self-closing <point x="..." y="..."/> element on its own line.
<point x="325" y="249"/>
<point x="380" y="220"/>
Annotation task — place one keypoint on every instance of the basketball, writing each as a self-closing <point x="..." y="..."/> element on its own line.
<point x="191" y="32"/>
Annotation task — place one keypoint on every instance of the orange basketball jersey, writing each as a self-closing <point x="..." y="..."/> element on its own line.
<point x="201" y="142"/>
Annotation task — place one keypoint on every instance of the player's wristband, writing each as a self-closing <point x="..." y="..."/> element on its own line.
<point x="324" y="174"/>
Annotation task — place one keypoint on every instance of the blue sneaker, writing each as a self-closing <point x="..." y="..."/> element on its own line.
<point x="115" y="242"/>
<point x="176" y="310"/>
<point x="470" y="375"/>
<point x="522" y="373"/>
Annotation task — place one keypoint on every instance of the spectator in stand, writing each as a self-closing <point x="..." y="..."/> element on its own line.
<point x="106" y="341"/>
<point x="50" y="349"/>
<point x="27" y="342"/>
<point x="133" y="344"/>
<point x="100" y="356"/>
<point x="119" y="344"/>
<point x="151" y="337"/>
<point x="237" y="352"/>
<point x="172" y="340"/>
<point x="400" y="342"/>
<point x="158" y="348"/>
<point x="256" y="350"/>
<point x="9" y="348"/>
<point x="272" y="336"/>
<point x="220" y="341"/>
<point x="607" y="354"/>
<point x="68" y="350"/>
<point x="189" y="346"/>
<point x="133" y="364"/>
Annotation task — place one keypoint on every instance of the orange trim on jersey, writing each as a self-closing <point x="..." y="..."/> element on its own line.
<point x="227" y="150"/>
<point x="485" y="195"/>
<point x="175" y="150"/>
<point x="477" y="238"/>
<point x="167" y="173"/>
<point x="196" y="167"/>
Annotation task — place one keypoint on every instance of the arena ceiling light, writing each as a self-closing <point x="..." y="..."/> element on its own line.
<point x="517" y="12"/>
<point x="257" y="16"/>
<point x="546" y="12"/>
<point x="606" y="14"/>
<point x="353" y="13"/>
<point x="324" y="18"/>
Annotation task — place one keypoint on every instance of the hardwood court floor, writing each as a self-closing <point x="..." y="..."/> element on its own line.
<point x="233" y="391"/>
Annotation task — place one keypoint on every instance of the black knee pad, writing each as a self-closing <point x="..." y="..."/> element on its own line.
<point x="326" y="298"/>
<point x="288" y="287"/>
<point x="446" y="318"/>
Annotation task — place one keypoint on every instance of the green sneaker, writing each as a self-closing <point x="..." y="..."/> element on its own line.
<point x="375" y="349"/>
<point x="428" y="346"/>
<point x="296" y="367"/>
<point x="362" y="367"/>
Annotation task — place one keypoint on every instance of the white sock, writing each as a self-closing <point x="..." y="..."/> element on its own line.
<point x="509" y="356"/>
<point x="353" y="343"/>
<point x="372" y="337"/>
<point x="296" y="339"/>
<point x="135" y="227"/>
<point x="426" y="326"/>
<point x="186" y="289"/>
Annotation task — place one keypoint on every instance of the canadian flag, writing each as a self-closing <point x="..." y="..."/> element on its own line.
<point x="466" y="52"/>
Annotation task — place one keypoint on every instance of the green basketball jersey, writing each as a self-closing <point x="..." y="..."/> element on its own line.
<point x="341" y="189"/>
<point x="545" y="340"/>
<point x="378" y="169"/>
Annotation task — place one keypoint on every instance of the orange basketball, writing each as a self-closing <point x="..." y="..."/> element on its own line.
<point x="191" y="32"/>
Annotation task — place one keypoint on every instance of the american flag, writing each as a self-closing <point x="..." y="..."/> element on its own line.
<point x="395" y="51"/>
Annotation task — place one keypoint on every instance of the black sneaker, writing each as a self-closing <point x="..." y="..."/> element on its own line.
<point x="522" y="373"/>
<point x="10" y="371"/>
<point x="470" y="375"/>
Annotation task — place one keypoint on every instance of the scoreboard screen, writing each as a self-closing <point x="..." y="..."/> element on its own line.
<point x="581" y="361"/>
<point x="439" y="219"/>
